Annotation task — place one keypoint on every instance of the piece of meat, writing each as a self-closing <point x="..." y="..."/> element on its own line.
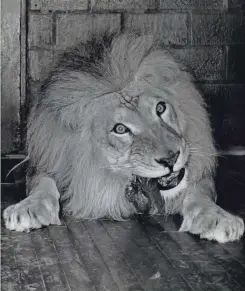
<point x="145" y="195"/>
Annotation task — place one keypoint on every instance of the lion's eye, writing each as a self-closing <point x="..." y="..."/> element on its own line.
<point x="160" y="108"/>
<point x="119" y="128"/>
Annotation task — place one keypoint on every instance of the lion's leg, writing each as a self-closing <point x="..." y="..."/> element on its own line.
<point x="40" y="208"/>
<point x="202" y="216"/>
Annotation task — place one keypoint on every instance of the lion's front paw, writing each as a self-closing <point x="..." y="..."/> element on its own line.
<point x="213" y="224"/>
<point x="32" y="213"/>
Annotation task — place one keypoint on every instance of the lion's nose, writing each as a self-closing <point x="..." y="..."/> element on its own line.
<point x="169" y="161"/>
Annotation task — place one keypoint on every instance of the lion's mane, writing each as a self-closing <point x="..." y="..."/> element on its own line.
<point x="59" y="134"/>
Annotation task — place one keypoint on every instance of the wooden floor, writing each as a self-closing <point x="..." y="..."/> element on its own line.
<point x="139" y="254"/>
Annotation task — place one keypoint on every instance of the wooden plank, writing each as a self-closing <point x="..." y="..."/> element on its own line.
<point x="123" y="275"/>
<point x="213" y="256"/>
<point x="195" y="277"/>
<point x="10" y="86"/>
<point x="236" y="250"/>
<point x="224" y="258"/>
<point x="73" y="266"/>
<point x="26" y="260"/>
<point x="198" y="252"/>
<point x="150" y="266"/>
<point x="9" y="272"/>
<point x="205" y="261"/>
<point x="90" y="255"/>
<point x="69" y="258"/>
<point x="52" y="272"/>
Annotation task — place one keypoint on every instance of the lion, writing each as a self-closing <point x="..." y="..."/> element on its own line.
<point x="115" y="106"/>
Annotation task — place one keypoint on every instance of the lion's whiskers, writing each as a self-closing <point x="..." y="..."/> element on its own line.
<point x="200" y="150"/>
<point x="200" y="155"/>
<point x="205" y="154"/>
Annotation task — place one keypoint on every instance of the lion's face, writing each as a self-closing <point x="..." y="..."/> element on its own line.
<point x="140" y="135"/>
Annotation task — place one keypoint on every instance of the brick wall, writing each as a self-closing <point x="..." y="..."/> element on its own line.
<point x="208" y="36"/>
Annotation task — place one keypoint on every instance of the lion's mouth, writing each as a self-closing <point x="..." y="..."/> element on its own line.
<point x="171" y="180"/>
